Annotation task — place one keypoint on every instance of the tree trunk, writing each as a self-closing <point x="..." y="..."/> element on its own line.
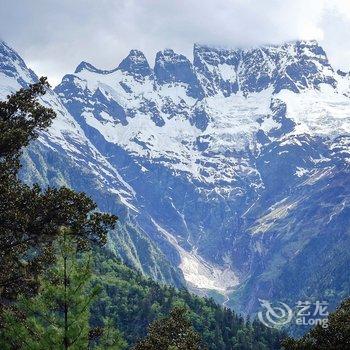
<point x="66" y="340"/>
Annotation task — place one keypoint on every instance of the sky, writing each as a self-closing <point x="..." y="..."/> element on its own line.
<point x="54" y="36"/>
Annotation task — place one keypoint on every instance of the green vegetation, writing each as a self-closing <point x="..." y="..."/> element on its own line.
<point x="58" y="316"/>
<point x="31" y="219"/>
<point x="43" y="303"/>
<point x="60" y="290"/>
<point x="334" y="337"/>
<point x="173" y="332"/>
<point x="134" y="302"/>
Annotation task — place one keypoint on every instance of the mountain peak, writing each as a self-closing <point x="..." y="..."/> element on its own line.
<point x="310" y="42"/>
<point x="295" y="65"/>
<point x="259" y="165"/>
<point x="169" y="56"/>
<point x="87" y="66"/>
<point x="171" y="67"/>
<point x="13" y="66"/>
<point x="136" y="64"/>
<point x="203" y="47"/>
<point x="305" y="47"/>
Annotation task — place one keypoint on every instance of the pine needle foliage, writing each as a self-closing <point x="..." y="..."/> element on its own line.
<point x="58" y="316"/>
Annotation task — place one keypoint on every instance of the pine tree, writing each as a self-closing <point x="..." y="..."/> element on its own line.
<point x="172" y="333"/>
<point x="108" y="337"/>
<point x="30" y="219"/>
<point x="58" y="317"/>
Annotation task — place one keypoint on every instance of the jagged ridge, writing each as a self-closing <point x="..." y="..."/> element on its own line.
<point x="217" y="158"/>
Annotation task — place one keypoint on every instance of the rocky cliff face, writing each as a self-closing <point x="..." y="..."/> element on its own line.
<point x="233" y="167"/>
<point x="64" y="156"/>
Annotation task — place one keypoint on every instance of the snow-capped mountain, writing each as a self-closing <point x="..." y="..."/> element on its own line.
<point x="64" y="156"/>
<point x="233" y="167"/>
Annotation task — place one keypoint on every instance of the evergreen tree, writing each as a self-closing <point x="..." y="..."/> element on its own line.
<point x="108" y="337"/>
<point x="172" y="333"/>
<point x="30" y="222"/>
<point x="21" y="118"/>
<point x="30" y="219"/>
<point x="334" y="337"/>
<point x="134" y="301"/>
<point x="58" y="317"/>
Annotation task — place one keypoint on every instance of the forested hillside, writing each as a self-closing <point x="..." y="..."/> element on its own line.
<point x="134" y="301"/>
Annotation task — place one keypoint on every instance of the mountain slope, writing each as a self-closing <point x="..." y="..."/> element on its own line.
<point x="233" y="167"/>
<point x="64" y="156"/>
<point x="133" y="302"/>
<point x="221" y="142"/>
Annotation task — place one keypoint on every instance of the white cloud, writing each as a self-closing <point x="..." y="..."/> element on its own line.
<point x="54" y="36"/>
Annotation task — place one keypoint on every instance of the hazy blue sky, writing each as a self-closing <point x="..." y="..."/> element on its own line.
<point x="53" y="36"/>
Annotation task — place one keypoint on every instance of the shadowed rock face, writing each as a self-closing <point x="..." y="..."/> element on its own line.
<point x="171" y="68"/>
<point x="234" y="168"/>
<point x="136" y="64"/>
<point x="294" y="66"/>
<point x="13" y="68"/>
